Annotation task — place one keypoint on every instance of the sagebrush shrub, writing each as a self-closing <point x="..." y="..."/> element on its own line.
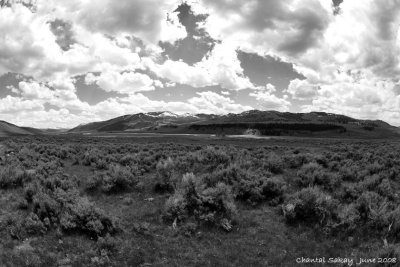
<point x="312" y="174"/>
<point x="13" y="176"/>
<point x="274" y="163"/>
<point x="310" y="205"/>
<point x="274" y="188"/>
<point x="57" y="203"/>
<point x="211" y="158"/>
<point x="165" y="176"/>
<point x="297" y="160"/>
<point x="348" y="219"/>
<point x="390" y="252"/>
<point x="374" y="210"/>
<point x="308" y="174"/>
<point x="385" y="189"/>
<point x="116" y="179"/>
<point x="370" y="183"/>
<point x="34" y="225"/>
<point x="107" y="243"/>
<point x="194" y="199"/>
<point x="347" y="193"/>
<point x="348" y="171"/>
<point x="83" y="216"/>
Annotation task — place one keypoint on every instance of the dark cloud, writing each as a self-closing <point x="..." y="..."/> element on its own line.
<point x="133" y="43"/>
<point x="30" y="4"/>
<point x="191" y="21"/>
<point x="380" y="53"/>
<point x="9" y="81"/>
<point x="91" y="93"/>
<point x="262" y="70"/>
<point x="336" y="6"/>
<point x="48" y="106"/>
<point x="196" y="45"/>
<point x="140" y="17"/>
<point x="309" y="26"/>
<point x="396" y="89"/>
<point x="307" y="21"/>
<point x="63" y="31"/>
<point x="386" y="15"/>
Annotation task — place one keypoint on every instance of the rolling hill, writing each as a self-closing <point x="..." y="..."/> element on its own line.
<point x="272" y="123"/>
<point x="8" y="129"/>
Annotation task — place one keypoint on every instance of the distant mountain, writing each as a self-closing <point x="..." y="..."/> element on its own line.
<point x="142" y="122"/>
<point x="264" y="122"/>
<point x="8" y="129"/>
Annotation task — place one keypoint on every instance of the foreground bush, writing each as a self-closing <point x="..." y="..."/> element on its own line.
<point x="11" y="176"/>
<point x="247" y="185"/>
<point x="165" y="180"/>
<point x="313" y="174"/>
<point x="83" y="216"/>
<point x="310" y="205"/>
<point x="274" y="163"/>
<point x="55" y="203"/>
<point x="193" y="199"/>
<point x="116" y="179"/>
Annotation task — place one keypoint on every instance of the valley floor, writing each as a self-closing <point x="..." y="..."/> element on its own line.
<point x="197" y="201"/>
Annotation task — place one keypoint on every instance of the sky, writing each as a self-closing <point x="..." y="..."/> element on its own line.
<point x="65" y="63"/>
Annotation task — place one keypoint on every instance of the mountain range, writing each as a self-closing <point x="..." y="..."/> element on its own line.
<point x="249" y="122"/>
<point x="260" y="122"/>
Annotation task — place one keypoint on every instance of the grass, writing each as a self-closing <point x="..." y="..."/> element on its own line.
<point x="196" y="202"/>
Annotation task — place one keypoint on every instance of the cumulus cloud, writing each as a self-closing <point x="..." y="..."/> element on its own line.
<point x="63" y="32"/>
<point x="29" y="45"/>
<point x="196" y="44"/>
<point x="35" y="90"/>
<point x="302" y="89"/>
<point x="11" y="104"/>
<point x="289" y="26"/>
<point x="62" y="94"/>
<point x="362" y="97"/>
<point x="123" y="83"/>
<point x="267" y="100"/>
<point x="142" y="18"/>
<point x="222" y="67"/>
<point x="211" y="102"/>
<point x="347" y="51"/>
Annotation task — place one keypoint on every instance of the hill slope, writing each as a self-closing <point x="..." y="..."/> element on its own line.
<point x="263" y="122"/>
<point x="8" y="129"/>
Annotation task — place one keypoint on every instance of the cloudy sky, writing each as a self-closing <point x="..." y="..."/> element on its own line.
<point x="63" y="63"/>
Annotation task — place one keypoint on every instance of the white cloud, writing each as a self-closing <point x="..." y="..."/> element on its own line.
<point x="10" y="105"/>
<point x="356" y="74"/>
<point x="33" y="90"/>
<point x="123" y="83"/>
<point x="363" y="97"/>
<point x="211" y="102"/>
<point x="267" y="26"/>
<point x="142" y="18"/>
<point x="180" y="72"/>
<point x="268" y="101"/>
<point x="302" y="89"/>
<point x="220" y="67"/>
<point x="28" y="46"/>
<point x="62" y="96"/>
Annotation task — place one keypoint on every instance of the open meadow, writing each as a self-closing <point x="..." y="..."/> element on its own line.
<point x="192" y="201"/>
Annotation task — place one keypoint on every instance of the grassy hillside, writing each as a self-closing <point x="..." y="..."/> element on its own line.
<point x="8" y="129"/>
